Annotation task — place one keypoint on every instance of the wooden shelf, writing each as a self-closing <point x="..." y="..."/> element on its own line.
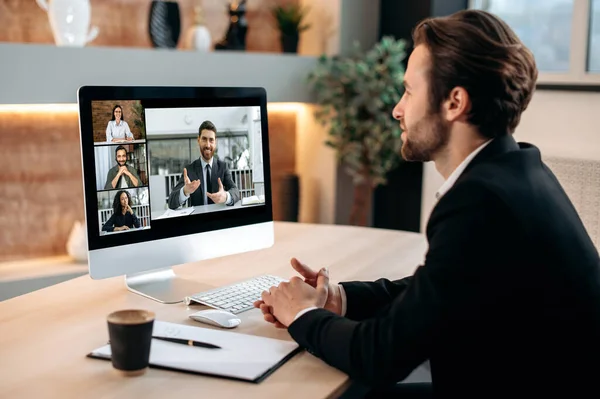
<point x="47" y="74"/>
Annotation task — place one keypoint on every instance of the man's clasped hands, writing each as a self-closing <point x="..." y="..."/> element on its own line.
<point x="280" y="305"/>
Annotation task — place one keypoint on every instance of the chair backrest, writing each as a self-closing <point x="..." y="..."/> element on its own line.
<point x="581" y="181"/>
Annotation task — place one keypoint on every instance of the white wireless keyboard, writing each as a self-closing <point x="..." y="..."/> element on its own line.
<point x="236" y="298"/>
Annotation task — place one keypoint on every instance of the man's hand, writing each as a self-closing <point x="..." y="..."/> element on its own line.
<point x="333" y="302"/>
<point x="220" y="197"/>
<point x="288" y="299"/>
<point x="122" y="169"/>
<point x="129" y="138"/>
<point x="190" y="186"/>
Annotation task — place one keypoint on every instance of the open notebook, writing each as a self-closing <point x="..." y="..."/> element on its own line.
<point x="253" y="200"/>
<point x="242" y="357"/>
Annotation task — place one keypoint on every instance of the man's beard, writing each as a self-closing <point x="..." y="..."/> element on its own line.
<point x="427" y="137"/>
<point x="211" y="153"/>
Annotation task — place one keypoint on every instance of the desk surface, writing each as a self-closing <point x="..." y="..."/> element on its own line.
<point x="46" y="334"/>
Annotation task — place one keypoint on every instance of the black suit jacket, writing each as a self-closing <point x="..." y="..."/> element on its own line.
<point x="507" y="301"/>
<point x="194" y="170"/>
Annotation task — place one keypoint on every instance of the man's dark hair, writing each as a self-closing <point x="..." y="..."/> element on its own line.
<point x="207" y="125"/>
<point x="112" y="117"/>
<point x="477" y="51"/>
<point x="117" y="201"/>
<point x="119" y="148"/>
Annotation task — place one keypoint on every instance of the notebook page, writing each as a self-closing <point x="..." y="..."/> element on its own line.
<point x="242" y="356"/>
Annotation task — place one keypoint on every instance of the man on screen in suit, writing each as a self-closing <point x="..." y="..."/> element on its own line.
<point x="207" y="180"/>
<point x="507" y="302"/>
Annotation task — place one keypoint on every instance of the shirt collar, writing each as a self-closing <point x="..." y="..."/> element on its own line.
<point x="204" y="163"/>
<point x="458" y="171"/>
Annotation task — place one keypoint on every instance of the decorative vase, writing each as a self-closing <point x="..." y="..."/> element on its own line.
<point x="289" y="43"/>
<point x="164" y="24"/>
<point x="199" y="36"/>
<point x="289" y="193"/>
<point x="77" y="242"/>
<point x="70" y="21"/>
<point x="235" y="39"/>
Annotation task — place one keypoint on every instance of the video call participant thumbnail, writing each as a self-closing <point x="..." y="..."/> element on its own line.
<point x="120" y="175"/>
<point x="204" y="175"/>
<point x="117" y="129"/>
<point x="123" y="217"/>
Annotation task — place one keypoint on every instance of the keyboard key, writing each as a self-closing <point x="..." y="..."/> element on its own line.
<point x="238" y="297"/>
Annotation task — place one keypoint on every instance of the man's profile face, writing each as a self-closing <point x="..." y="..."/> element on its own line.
<point x="425" y="132"/>
<point x="207" y="143"/>
<point x="121" y="157"/>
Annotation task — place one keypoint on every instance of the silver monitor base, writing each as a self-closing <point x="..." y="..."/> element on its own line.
<point x="163" y="285"/>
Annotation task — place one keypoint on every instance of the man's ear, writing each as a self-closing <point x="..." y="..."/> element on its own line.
<point x="457" y="105"/>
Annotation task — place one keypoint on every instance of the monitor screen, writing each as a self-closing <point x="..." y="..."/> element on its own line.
<point x="164" y="162"/>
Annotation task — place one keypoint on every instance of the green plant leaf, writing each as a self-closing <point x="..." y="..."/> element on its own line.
<point x="356" y="94"/>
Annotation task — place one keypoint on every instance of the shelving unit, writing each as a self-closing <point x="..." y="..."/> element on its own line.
<point x="47" y="74"/>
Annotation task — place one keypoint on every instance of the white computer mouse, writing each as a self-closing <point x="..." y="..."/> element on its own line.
<point x="216" y="317"/>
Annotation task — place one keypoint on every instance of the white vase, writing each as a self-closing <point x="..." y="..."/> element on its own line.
<point x="70" y="21"/>
<point x="77" y="242"/>
<point x="200" y="38"/>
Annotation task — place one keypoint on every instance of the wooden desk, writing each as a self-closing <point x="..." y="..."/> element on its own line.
<point x="45" y="335"/>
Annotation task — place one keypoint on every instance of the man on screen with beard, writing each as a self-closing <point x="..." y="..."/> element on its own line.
<point x="207" y="180"/>
<point x="120" y="175"/>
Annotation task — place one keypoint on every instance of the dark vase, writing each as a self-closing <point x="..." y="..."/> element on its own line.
<point x="289" y="197"/>
<point x="289" y="43"/>
<point x="235" y="38"/>
<point x="164" y="24"/>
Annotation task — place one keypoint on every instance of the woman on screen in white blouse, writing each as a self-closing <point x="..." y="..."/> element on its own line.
<point x="117" y="129"/>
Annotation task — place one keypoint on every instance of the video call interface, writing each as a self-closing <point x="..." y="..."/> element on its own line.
<point x="158" y="163"/>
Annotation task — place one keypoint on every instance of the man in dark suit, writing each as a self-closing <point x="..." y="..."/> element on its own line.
<point x="507" y="302"/>
<point x="204" y="175"/>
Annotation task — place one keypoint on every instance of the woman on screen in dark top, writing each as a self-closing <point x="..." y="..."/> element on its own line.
<point x="123" y="217"/>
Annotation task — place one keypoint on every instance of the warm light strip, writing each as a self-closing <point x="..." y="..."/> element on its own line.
<point x="55" y="108"/>
<point x="38" y="108"/>
<point x="284" y="107"/>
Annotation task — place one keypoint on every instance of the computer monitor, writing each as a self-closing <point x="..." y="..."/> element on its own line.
<point x="172" y="175"/>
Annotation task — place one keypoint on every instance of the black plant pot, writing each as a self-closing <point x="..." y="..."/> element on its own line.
<point x="164" y="24"/>
<point x="289" y="43"/>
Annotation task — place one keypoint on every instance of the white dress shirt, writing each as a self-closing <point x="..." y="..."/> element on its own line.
<point x="183" y="197"/>
<point x="442" y="190"/>
<point x="120" y="131"/>
<point x="458" y="171"/>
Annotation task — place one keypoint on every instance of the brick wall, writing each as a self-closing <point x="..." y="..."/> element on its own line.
<point x="101" y="114"/>
<point x="41" y="193"/>
<point x="125" y="22"/>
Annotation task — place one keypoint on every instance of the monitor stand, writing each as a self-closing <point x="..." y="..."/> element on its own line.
<point x="163" y="285"/>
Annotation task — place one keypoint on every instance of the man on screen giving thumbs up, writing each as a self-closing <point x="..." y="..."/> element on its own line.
<point x="207" y="180"/>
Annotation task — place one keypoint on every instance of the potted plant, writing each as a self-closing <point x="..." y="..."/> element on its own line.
<point x="357" y="94"/>
<point x="138" y="111"/>
<point x="289" y="21"/>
